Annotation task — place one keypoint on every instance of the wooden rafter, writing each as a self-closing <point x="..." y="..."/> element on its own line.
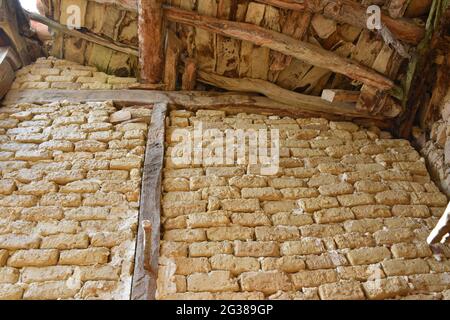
<point x="353" y="13"/>
<point x="276" y="41"/>
<point x="83" y="35"/>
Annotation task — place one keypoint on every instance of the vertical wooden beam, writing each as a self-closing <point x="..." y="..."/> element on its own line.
<point x="145" y="272"/>
<point x="172" y="57"/>
<point x="189" y="75"/>
<point x="151" y="40"/>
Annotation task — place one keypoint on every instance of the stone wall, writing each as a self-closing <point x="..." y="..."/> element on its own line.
<point x="435" y="147"/>
<point x="52" y="73"/>
<point x="69" y="198"/>
<point x="346" y="217"/>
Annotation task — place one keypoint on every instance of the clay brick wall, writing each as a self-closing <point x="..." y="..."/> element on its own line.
<point x="52" y="73"/>
<point x="435" y="147"/>
<point x="69" y="198"/>
<point x="346" y="216"/>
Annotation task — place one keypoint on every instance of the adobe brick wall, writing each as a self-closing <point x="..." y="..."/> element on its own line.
<point x="346" y="217"/>
<point x="52" y="73"/>
<point x="69" y="198"/>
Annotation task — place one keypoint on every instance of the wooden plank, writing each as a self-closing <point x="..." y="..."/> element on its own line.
<point x="189" y="75"/>
<point x="284" y="44"/>
<point x="205" y="42"/>
<point x="151" y="41"/>
<point x="171" y="61"/>
<point x="145" y="272"/>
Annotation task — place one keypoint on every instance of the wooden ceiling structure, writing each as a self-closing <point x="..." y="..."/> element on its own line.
<point x="317" y="56"/>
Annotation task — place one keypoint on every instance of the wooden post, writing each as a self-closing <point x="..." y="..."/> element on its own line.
<point x="171" y="64"/>
<point x="151" y="40"/>
<point x="189" y="75"/>
<point x="147" y="246"/>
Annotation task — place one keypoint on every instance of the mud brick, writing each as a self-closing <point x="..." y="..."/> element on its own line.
<point x="286" y="182"/>
<point x="278" y="233"/>
<point x="323" y="230"/>
<point x="38" y="188"/>
<point x="236" y="265"/>
<point x="303" y="246"/>
<point x="271" y="207"/>
<point x="296" y="193"/>
<point x="224" y="171"/>
<point x="208" y="249"/>
<point x="3" y="257"/>
<point x="61" y="199"/>
<point x="369" y="167"/>
<point x="267" y="282"/>
<point x="250" y="219"/>
<point x="256" y="249"/>
<point x="221" y="192"/>
<point x="386" y="288"/>
<point x="352" y="177"/>
<point x="178" y="208"/>
<point x="215" y="281"/>
<point x="229" y="233"/>
<point x="110" y="239"/>
<point x="356" y="199"/>
<point x="345" y="290"/>
<point x="322" y="179"/>
<point x="307" y="279"/>
<point x="325" y="261"/>
<point x="207" y="220"/>
<point x="439" y="266"/>
<point x="300" y="172"/>
<point x="391" y="175"/>
<point x="368" y="255"/>
<point x="392" y="197"/>
<point x="199" y="182"/>
<point x="7" y="186"/>
<point x="333" y="215"/>
<point x="182" y="196"/>
<point x="392" y="236"/>
<point x="354" y="240"/>
<point x="431" y="282"/>
<point x="368" y="186"/>
<point x="429" y="199"/>
<point x="65" y="176"/>
<point x="361" y="273"/>
<point x="176" y="184"/>
<point x="411" y="250"/>
<point x="52" y="273"/>
<point x="65" y="241"/>
<point x="289" y="264"/>
<point x="400" y="267"/>
<point x="57" y="145"/>
<point x="186" y="266"/>
<point x="314" y="204"/>
<point x="9" y="275"/>
<point x="104" y="175"/>
<point x="263" y="194"/>
<point x="84" y="257"/>
<point x="363" y="225"/>
<point x="173" y="249"/>
<point x="290" y="219"/>
<point x="33" y="258"/>
<point x="183" y="173"/>
<point x="185" y="235"/>
<point x="241" y="205"/>
<point x="414" y="211"/>
<point x="306" y="152"/>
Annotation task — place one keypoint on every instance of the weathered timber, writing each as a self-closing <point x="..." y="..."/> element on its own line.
<point x="336" y="95"/>
<point x="83" y="35"/>
<point x="145" y="272"/>
<point x="274" y="92"/>
<point x="189" y="78"/>
<point x="193" y="100"/>
<point x="279" y="42"/>
<point x="151" y="41"/>
<point x="171" y="61"/>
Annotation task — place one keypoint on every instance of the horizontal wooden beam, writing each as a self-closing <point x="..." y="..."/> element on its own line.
<point x="274" y="92"/>
<point x="83" y="35"/>
<point x="276" y="41"/>
<point x="231" y="102"/>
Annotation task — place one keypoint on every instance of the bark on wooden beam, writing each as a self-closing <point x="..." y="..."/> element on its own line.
<point x="274" y="92"/>
<point x="353" y="13"/>
<point x="151" y="40"/>
<point x="336" y="95"/>
<point x="189" y="75"/>
<point x="171" y="62"/>
<point x="83" y="35"/>
<point x="276" y="41"/>
<point x="146" y="272"/>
